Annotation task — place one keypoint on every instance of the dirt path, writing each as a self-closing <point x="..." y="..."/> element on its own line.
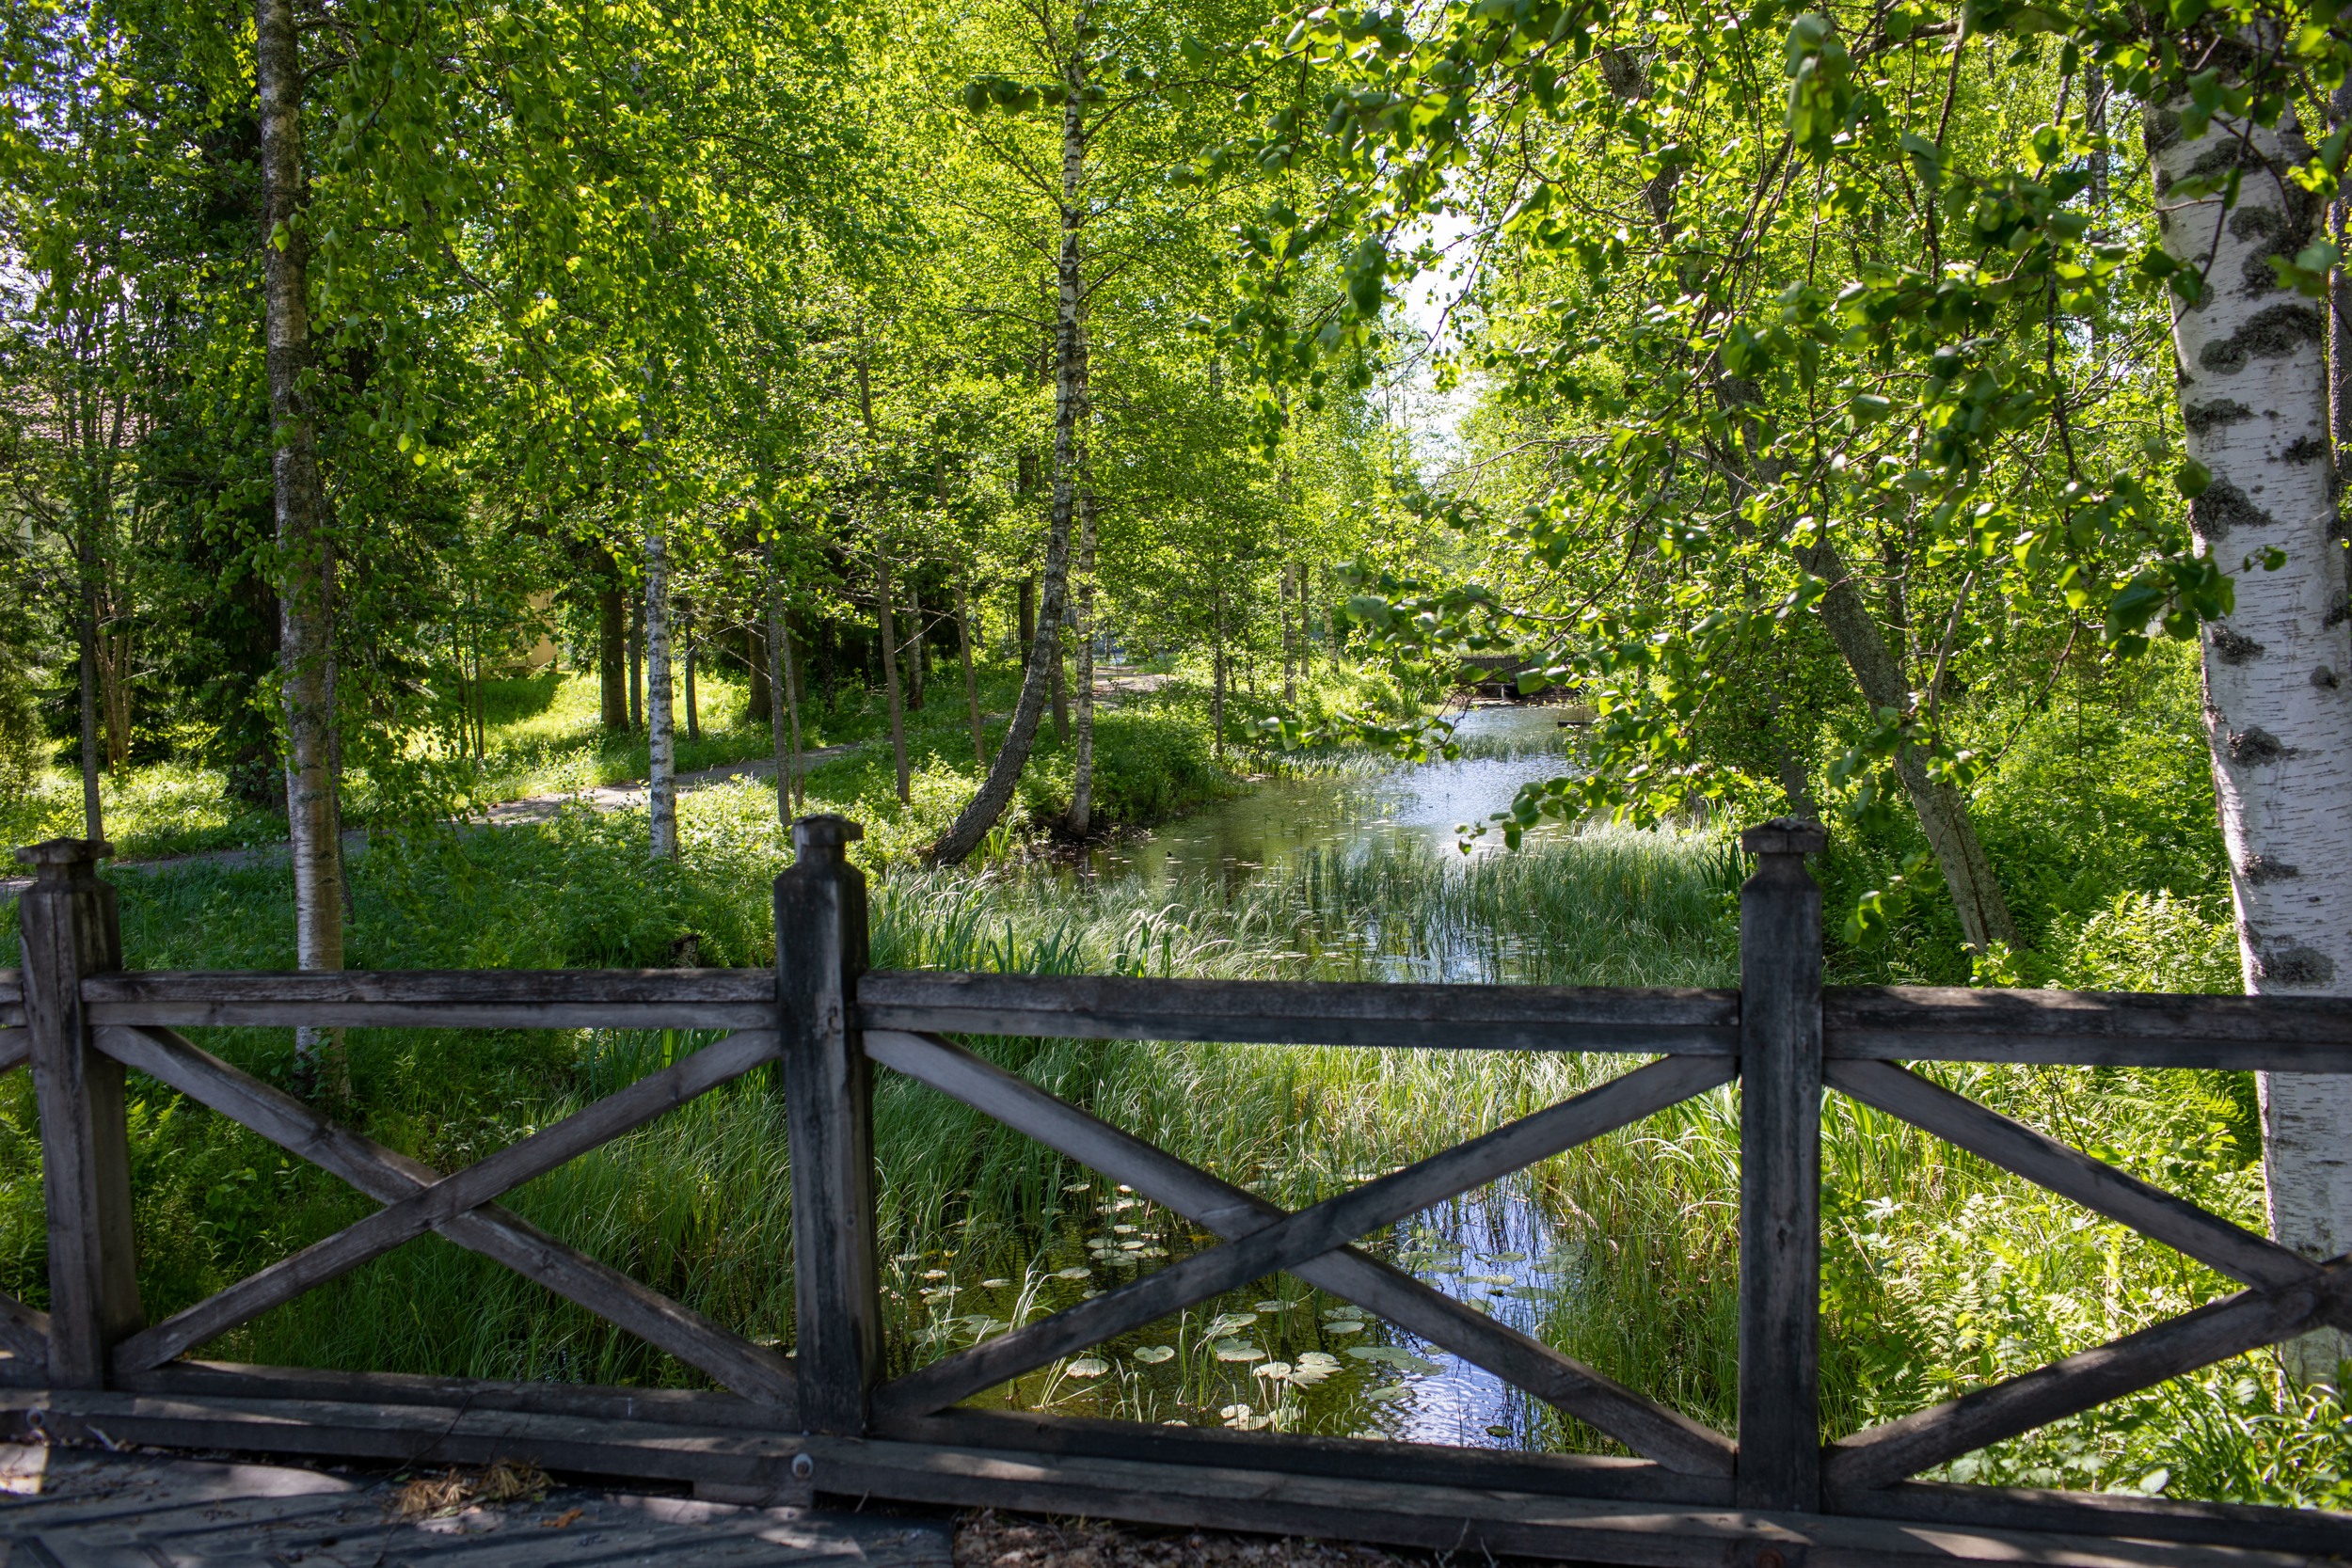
<point x="1111" y="684"/>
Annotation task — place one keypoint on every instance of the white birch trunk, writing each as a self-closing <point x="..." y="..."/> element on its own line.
<point x="2253" y="394"/>
<point x="1082" y="785"/>
<point x="305" y="558"/>
<point x="661" y="739"/>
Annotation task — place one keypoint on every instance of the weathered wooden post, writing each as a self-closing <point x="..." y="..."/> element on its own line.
<point x="829" y="1095"/>
<point x="70" y="929"/>
<point x="1780" y="1170"/>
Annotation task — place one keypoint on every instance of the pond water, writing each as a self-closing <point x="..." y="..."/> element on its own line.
<point x="1355" y="806"/>
<point x="1280" y="1353"/>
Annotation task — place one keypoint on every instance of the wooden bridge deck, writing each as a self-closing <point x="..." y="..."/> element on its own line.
<point x="80" y="1508"/>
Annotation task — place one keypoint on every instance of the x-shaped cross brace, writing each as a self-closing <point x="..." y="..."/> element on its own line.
<point x="1261" y="1239"/>
<point x="460" y="1206"/>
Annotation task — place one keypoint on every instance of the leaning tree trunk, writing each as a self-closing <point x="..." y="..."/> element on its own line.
<point x="305" y="555"/>
<point x="972" y="825"/>
<point x="1942" y="810"/>
<point x="1081" y="785"/>
<point x="2253" y="394"/>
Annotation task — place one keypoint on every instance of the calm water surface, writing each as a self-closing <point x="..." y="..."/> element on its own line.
<point x="1279" y="1354"/>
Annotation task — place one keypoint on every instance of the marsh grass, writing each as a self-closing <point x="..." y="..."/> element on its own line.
<point x="1940" y="1274"/>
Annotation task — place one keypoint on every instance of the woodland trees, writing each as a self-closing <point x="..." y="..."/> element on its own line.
<point x="1866" y="334"/>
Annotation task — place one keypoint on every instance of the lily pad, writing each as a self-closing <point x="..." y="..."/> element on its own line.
<point x="1089" y="1366"/>
<point x="1237" y="1349"/>
<point x="1313" y="1367"/>
<point x="1272" y="1306"/>
<point x="1073" y="1274"/>
<point x="1389" y="1356"/>
<point x="1151" y="1355"/>
<point x="1489" y="1279"/>
<point x="995" y="1284"/>
<point x="1225" y="1322"/>
<point x="1077" y="1186"/>
<point x="1278" y="1370"/>
<point x="1344" y="1325"/>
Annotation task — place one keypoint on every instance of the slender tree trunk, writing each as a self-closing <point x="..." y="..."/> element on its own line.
<point x="86" y="624"/>
<point x="114" y="695"/>
<point x="915" y="645"/>
<point x="1081" y="785"/>
<point x="779" y="671"/>
<point x="1061" y="689"/>
<point x="995" y="792"/>
<point x="693" y="649"/>
<point x="888" y="623"/>
<point x="1294" y="635"/>
<point x="661" y="731"/>
<point x="613" y="658"/>
<point x="971" y="679"/>
<point x="760" y="706"/>
<point x="1330" y="625"/>
<point x="1028" y="618"/>
<point x="2255" y="396"/>
<point x="636" y="667"/>
<point x="1218" y="672"/>
<point x="305" y="556"/>
<point x="1943" y="811"/>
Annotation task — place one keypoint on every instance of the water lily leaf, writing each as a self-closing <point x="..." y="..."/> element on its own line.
<point x="1344" y="1325"/>
<point x="1272" y="1306"/>
<point x="1277" y="1370"/>
<point x="1151" y="1355"/>
<point x="995" y="1284"/>
<point x="1089" y="1366"/>
<point x="1077" y="1186"/>
<point x="1073" y="1274"/>
<point x="1489" y="1279"/>
<point x="1236" y="1350"/>
<point x="1391" y="1356"/>
<point x="1225" y="1322"/>
<point x="1318" y="1361"/>
<point x="1386" y="1392"/>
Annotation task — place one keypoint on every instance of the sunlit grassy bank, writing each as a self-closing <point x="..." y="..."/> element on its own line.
<point x="1941" y="1275"/>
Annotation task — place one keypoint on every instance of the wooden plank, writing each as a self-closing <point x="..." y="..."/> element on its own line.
<point x="24" y="1331"/>
<point x="1305" y="1012"/>
<point x="696" y="1407"/>
<point x="623" y="1112"/>
<point x="11" y="998"/>
<point x="1955" y="1023"/>
<point x="16" y="1049"/>
<point x="2211" y="1240"/>
<point x="70" y="931"/>
<point x="2214" y="1332"/>
<point x="1358" y="1458"/>
<point x="441" y="999"/>
<point x="1780" y="1171"/>
<point x="829" y="1113"/>
<point x="1308" y="1234"/>
<point x="725" y="1356"/>
<point x="2108" y="1513"/>
<point x="1477" y="1520"/>
<point x="1486" y="1522"/>
<point x="1642" y="1425"/>
<point x="99" y="1508"/>
<point x="412" y="1435"/>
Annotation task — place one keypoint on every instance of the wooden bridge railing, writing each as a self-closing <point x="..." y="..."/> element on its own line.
<point x="828" y="1418"/>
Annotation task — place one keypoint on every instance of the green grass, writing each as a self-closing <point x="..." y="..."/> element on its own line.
<point x="543" y="736"/>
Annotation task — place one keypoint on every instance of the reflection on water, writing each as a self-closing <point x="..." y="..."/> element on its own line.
<point x="1279" y="1354"/>
<point x="1355" y="807"/>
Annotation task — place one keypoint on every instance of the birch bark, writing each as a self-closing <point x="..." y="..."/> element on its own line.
<point x="2253" y="394"/>
<point x="305" y="555"/>
<point x="1081" y="785"/>
<point x="995" y="792"/>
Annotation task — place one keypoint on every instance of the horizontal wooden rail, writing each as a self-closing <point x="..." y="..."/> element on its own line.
<point x="1872" y="1022"/>
<point x="11" y="998"/>
<point x="16" y="1048"/>
<point x="1305" y="1012"/>
<point x="1952" y="1023"/>
<point x="438" y="998"/>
